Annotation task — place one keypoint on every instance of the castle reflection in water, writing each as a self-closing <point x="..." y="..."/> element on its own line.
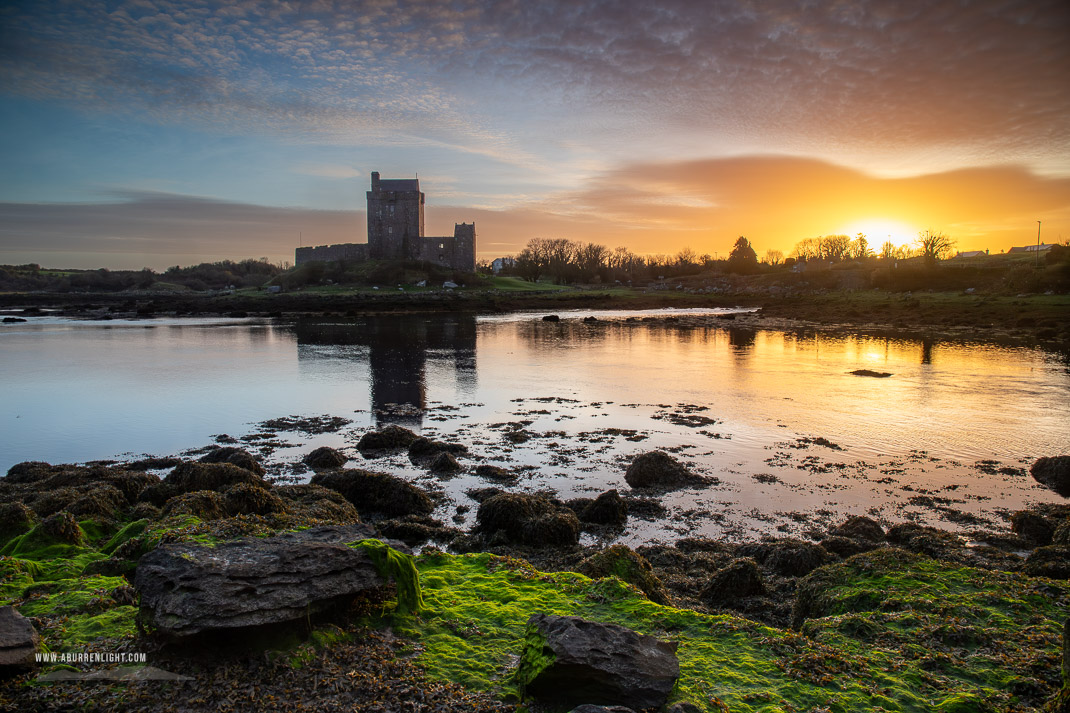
<point x="396" y="351"/>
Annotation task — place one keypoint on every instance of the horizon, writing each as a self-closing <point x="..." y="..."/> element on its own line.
<point x="154" y="133"/>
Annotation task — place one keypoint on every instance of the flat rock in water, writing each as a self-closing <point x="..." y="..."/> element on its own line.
<point x="571" y="661"/>
<point x="188" y="588"/>
<point x="18" y="641"/>
<point x="657" y="469"/>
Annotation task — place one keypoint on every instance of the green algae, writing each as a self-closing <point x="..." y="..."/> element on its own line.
<point x="396" y="566"/>
<point x="473" y="626"/>
<point x="128" y="532"/>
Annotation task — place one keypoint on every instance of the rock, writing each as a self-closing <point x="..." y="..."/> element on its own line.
<point x="684" y="707"/>
<point x="860" y="526"/>
<point x="1053" y="473"/>
<point x="1052" y="561"/>
<point x="445" y="464"/>
<point x="417" y="529"/>
<point x="372" y="492"/>
<point x="235" y="456"/>
<point x="29" y="471"/>
<point x="246" y="499"/>
<point x="481" y="495"/>
<point x="1061" y="536"/>
<point x="157" y="495"/>
<point x="1032" y="527"/>
<point x="551" y="318"/>
<point x="324" y="458"/>
<point x="1066" y="653"/>
<point x="556" y="529"/>
<point x="847" y="546"/>
<point x="18" y="642"/>
<point x="495" y="473"/>
<point x="189" y="477"/>
<point x="101" y="500"/>
<point x="15" y="519"/>
<point x="423" y="449"/>
<point x="625" y="563"/>
<point x="739" y="579"/>
<point x="389" y="438"/>
<point x="314" y="502"/>
<point x="187" y="588"/>
<point x="591" y="708"/>
<point x="527" y="519"/>
<point x="570" y="661"/>
<point x="205" y="504"/>
<point x="607" y="509"/>
<point x="656" y="469"/>
<point x="787" y="557"/>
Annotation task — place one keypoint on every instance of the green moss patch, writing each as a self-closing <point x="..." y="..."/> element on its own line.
<point x="398" y="566"/>
<point x="473" y="625"/>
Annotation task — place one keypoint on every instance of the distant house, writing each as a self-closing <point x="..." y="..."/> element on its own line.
<point x="1032" y="248"/>
<point x="972" y="253"/>
<point x="498" y="264"/>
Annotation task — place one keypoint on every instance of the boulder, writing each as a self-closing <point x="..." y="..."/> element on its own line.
<point x="445" y="464"/>
<point x="551" y="318"/>
<point x="1032" y="527"/>
<point x="657" y="469"/>
<point x="187" y="588"/>
<point x="569" y="661"/>
<point x="423" y="450"/>
<point x="1052" y="561"/>
<point x="189" y="477"/>
<point x="372" y="492"/>
<point x="859" y="526"/>
<point x="787" y="557"/>
<point x="527" y="519"/>
<point x="390" y="438"/>
<point x="608" y="508"/>
<point x="1061" y="536"/>
<point x="246" y="499"/>
<point x="324" y="458"/>
<point x="1053" y="473"/>
<point x="630" y="566"/>
<point x="235" y="456"/>
<point x="15" y="519"/>
<point x="495" y="473"/>
<point x="18" y="642"/>
<point x="314" y="502"/>
<point x="205" y="504"/>
<point x="741" y="578"/>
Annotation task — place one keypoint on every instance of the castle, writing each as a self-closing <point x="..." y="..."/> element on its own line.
<point x="396" y="232"/>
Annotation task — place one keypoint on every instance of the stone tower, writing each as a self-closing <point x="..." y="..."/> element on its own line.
<point x="395" y="218"/>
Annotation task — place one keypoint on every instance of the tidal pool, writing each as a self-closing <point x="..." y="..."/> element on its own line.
<point x="795" y="441"/>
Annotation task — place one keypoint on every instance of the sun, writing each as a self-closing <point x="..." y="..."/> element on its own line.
<point x="881" y="230"/>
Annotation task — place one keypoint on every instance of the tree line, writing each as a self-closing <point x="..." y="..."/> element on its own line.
<point x="567" y="261"/>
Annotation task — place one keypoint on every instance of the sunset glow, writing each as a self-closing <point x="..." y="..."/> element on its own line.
<point x="208" y="130"/>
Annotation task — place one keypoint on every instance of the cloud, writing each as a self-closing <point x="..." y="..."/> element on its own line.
<point x="941" y="83"/>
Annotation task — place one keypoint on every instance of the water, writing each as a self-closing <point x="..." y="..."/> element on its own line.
<point x="946" y="440"/>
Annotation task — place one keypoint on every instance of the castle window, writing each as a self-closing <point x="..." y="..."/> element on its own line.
<point x="391" y="209"/>
<point x="389" y="230"/>
<point x="441" y="246"/>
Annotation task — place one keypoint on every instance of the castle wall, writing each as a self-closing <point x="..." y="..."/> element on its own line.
<point x="330" y="253"/>
<point x="457" y="252"/>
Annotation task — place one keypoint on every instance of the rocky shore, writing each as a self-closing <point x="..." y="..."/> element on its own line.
<point x="246" y="593"/>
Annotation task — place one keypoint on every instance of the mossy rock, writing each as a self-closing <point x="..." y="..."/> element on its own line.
<point x="1034" y="528"/>
<point x="314" y="502"/>
<point x="158" y="494"/>
<point x="58" y="529"/>
<point x="15" y="519"/>
<point x="787" y="557"/>
<point x="389" y="438"/>
<point x="101" y="500"/>
<point x="508" y="512"/>
<point x="444" y="464"/>
<point x="372" y="492"/>
<point x="1061" y="536"/>
<point x="1052" y="561"/>
<point x="246" y="499"/>
<point x="425" y="449"/>
<point x="555" y="529"/>
<point x="496" y="474"/>
<point x="190" y="477"/>
<point x="235" y="456"/>
<point x="626" y="564"/>
<point x="739" y="579"/>
<point x="859" y="526"/>
<point x="202" y="504"/>
<point x="324" y="458"/>
<point x="29" y="472"/>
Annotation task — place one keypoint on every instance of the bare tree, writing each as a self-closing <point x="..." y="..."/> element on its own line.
<point x="934" y="246"/>
<point x="773" y="257"/>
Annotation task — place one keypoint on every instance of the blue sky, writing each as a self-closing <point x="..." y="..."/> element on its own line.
<point x="156" y="132"/>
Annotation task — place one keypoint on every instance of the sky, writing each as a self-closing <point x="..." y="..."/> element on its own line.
<point x="150" y="133"/>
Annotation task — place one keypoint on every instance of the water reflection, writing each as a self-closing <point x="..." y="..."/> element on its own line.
<point x="396" y="350"/>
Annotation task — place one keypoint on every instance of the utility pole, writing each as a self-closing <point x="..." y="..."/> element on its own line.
<point x="1038" y="243"/>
